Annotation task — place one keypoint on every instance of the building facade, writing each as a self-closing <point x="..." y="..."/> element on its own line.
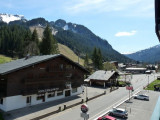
<point x="136" y="70"/>
<point x="38" y="79"/>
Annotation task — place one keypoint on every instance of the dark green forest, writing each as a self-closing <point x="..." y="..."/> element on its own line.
<point x="17" y="41"/>
<point x="12" y="39"/>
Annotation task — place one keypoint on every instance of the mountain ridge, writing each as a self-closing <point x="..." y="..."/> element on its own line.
<point x="77" y="37"/>
<point x="149" y="55"/>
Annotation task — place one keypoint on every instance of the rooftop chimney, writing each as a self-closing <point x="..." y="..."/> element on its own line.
<point x="27" y="56"/>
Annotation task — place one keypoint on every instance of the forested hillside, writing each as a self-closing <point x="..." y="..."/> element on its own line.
<point x="77" y="37"/>
<point x="81" y="40"/>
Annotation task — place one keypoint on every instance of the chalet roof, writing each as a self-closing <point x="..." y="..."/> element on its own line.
<point x="102" y="75"/>
<point x="32" y="60"/>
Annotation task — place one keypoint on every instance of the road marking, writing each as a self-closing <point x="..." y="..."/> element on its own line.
<point x="102" y="112"/>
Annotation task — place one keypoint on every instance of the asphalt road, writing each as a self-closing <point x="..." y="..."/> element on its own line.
<point x="141" y="109"/>
<point x="102" y="104"/>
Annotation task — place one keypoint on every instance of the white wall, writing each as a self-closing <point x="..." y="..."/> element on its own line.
<point x="19" y="101"/>
<point x="15" y="102"/>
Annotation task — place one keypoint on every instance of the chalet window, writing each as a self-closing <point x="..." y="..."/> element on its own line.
<point x="74" y="90"/>
<point x="40" y="97"/>
<point x="1" y="101"/>
<point x="51" y="95"/>
<point x="59" y="93"/>
<point x="61" y="66"/>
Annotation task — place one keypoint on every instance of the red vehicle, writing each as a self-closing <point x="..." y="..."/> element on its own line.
<point x="107" y="117"/>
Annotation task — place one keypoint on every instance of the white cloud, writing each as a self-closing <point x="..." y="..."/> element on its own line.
<point x="84" y="5"/>
<point x="120" y="34"/>
<point x="128" y="7"/>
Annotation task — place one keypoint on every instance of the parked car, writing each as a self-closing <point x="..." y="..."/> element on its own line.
<point x="119" y="112"/>
<point x="107" y="117"/>
<point x="148" y="72"/>
<point x="141" y="97"/>
<point x="157" y="87"/>
<point x="158" y="77"/>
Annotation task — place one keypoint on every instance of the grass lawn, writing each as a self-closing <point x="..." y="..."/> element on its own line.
<point x="69" y="53"/>
<point x="122" y="83"/>
<point x="4" y="59"/>
<point x="1" y="118"/>
<point x="151" y="85"/>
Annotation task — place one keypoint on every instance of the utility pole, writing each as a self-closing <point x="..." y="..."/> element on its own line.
<point x="148" y="80"/>
<point x="129" y="95"/>
<point x="78" y="58"/>
<point x="86" y="94"/>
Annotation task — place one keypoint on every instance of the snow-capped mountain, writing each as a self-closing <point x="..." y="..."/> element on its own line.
<point x="8" y="17"/>
<point x="150" y="55"/>
<point x="66" y="26"/>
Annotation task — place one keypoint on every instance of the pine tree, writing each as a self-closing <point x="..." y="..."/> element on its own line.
<point x="31" y="44"/>
<point x="100" y="59"/>
<point x="95" y="58"/>
<point x="48" y="44"/>
<point x="86" y="61"/>
<point x="35" y="37"/>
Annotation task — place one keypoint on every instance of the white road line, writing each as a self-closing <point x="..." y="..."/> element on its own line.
<point x="95" y="117"/>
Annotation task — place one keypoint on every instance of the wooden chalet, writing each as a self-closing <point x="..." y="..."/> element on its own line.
<point x="103" y="78"/>
<point x="37" y="79"/>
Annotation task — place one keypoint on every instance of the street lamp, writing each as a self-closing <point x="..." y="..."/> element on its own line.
<point x="148" y="80"/>
<point x="86" y="94"/>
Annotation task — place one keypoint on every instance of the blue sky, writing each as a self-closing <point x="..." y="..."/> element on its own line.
<point x="128" y="25"/>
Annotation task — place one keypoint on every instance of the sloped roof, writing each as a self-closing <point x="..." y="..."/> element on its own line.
<point x="23" y="63"/>
<point x="102" y="75"/>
